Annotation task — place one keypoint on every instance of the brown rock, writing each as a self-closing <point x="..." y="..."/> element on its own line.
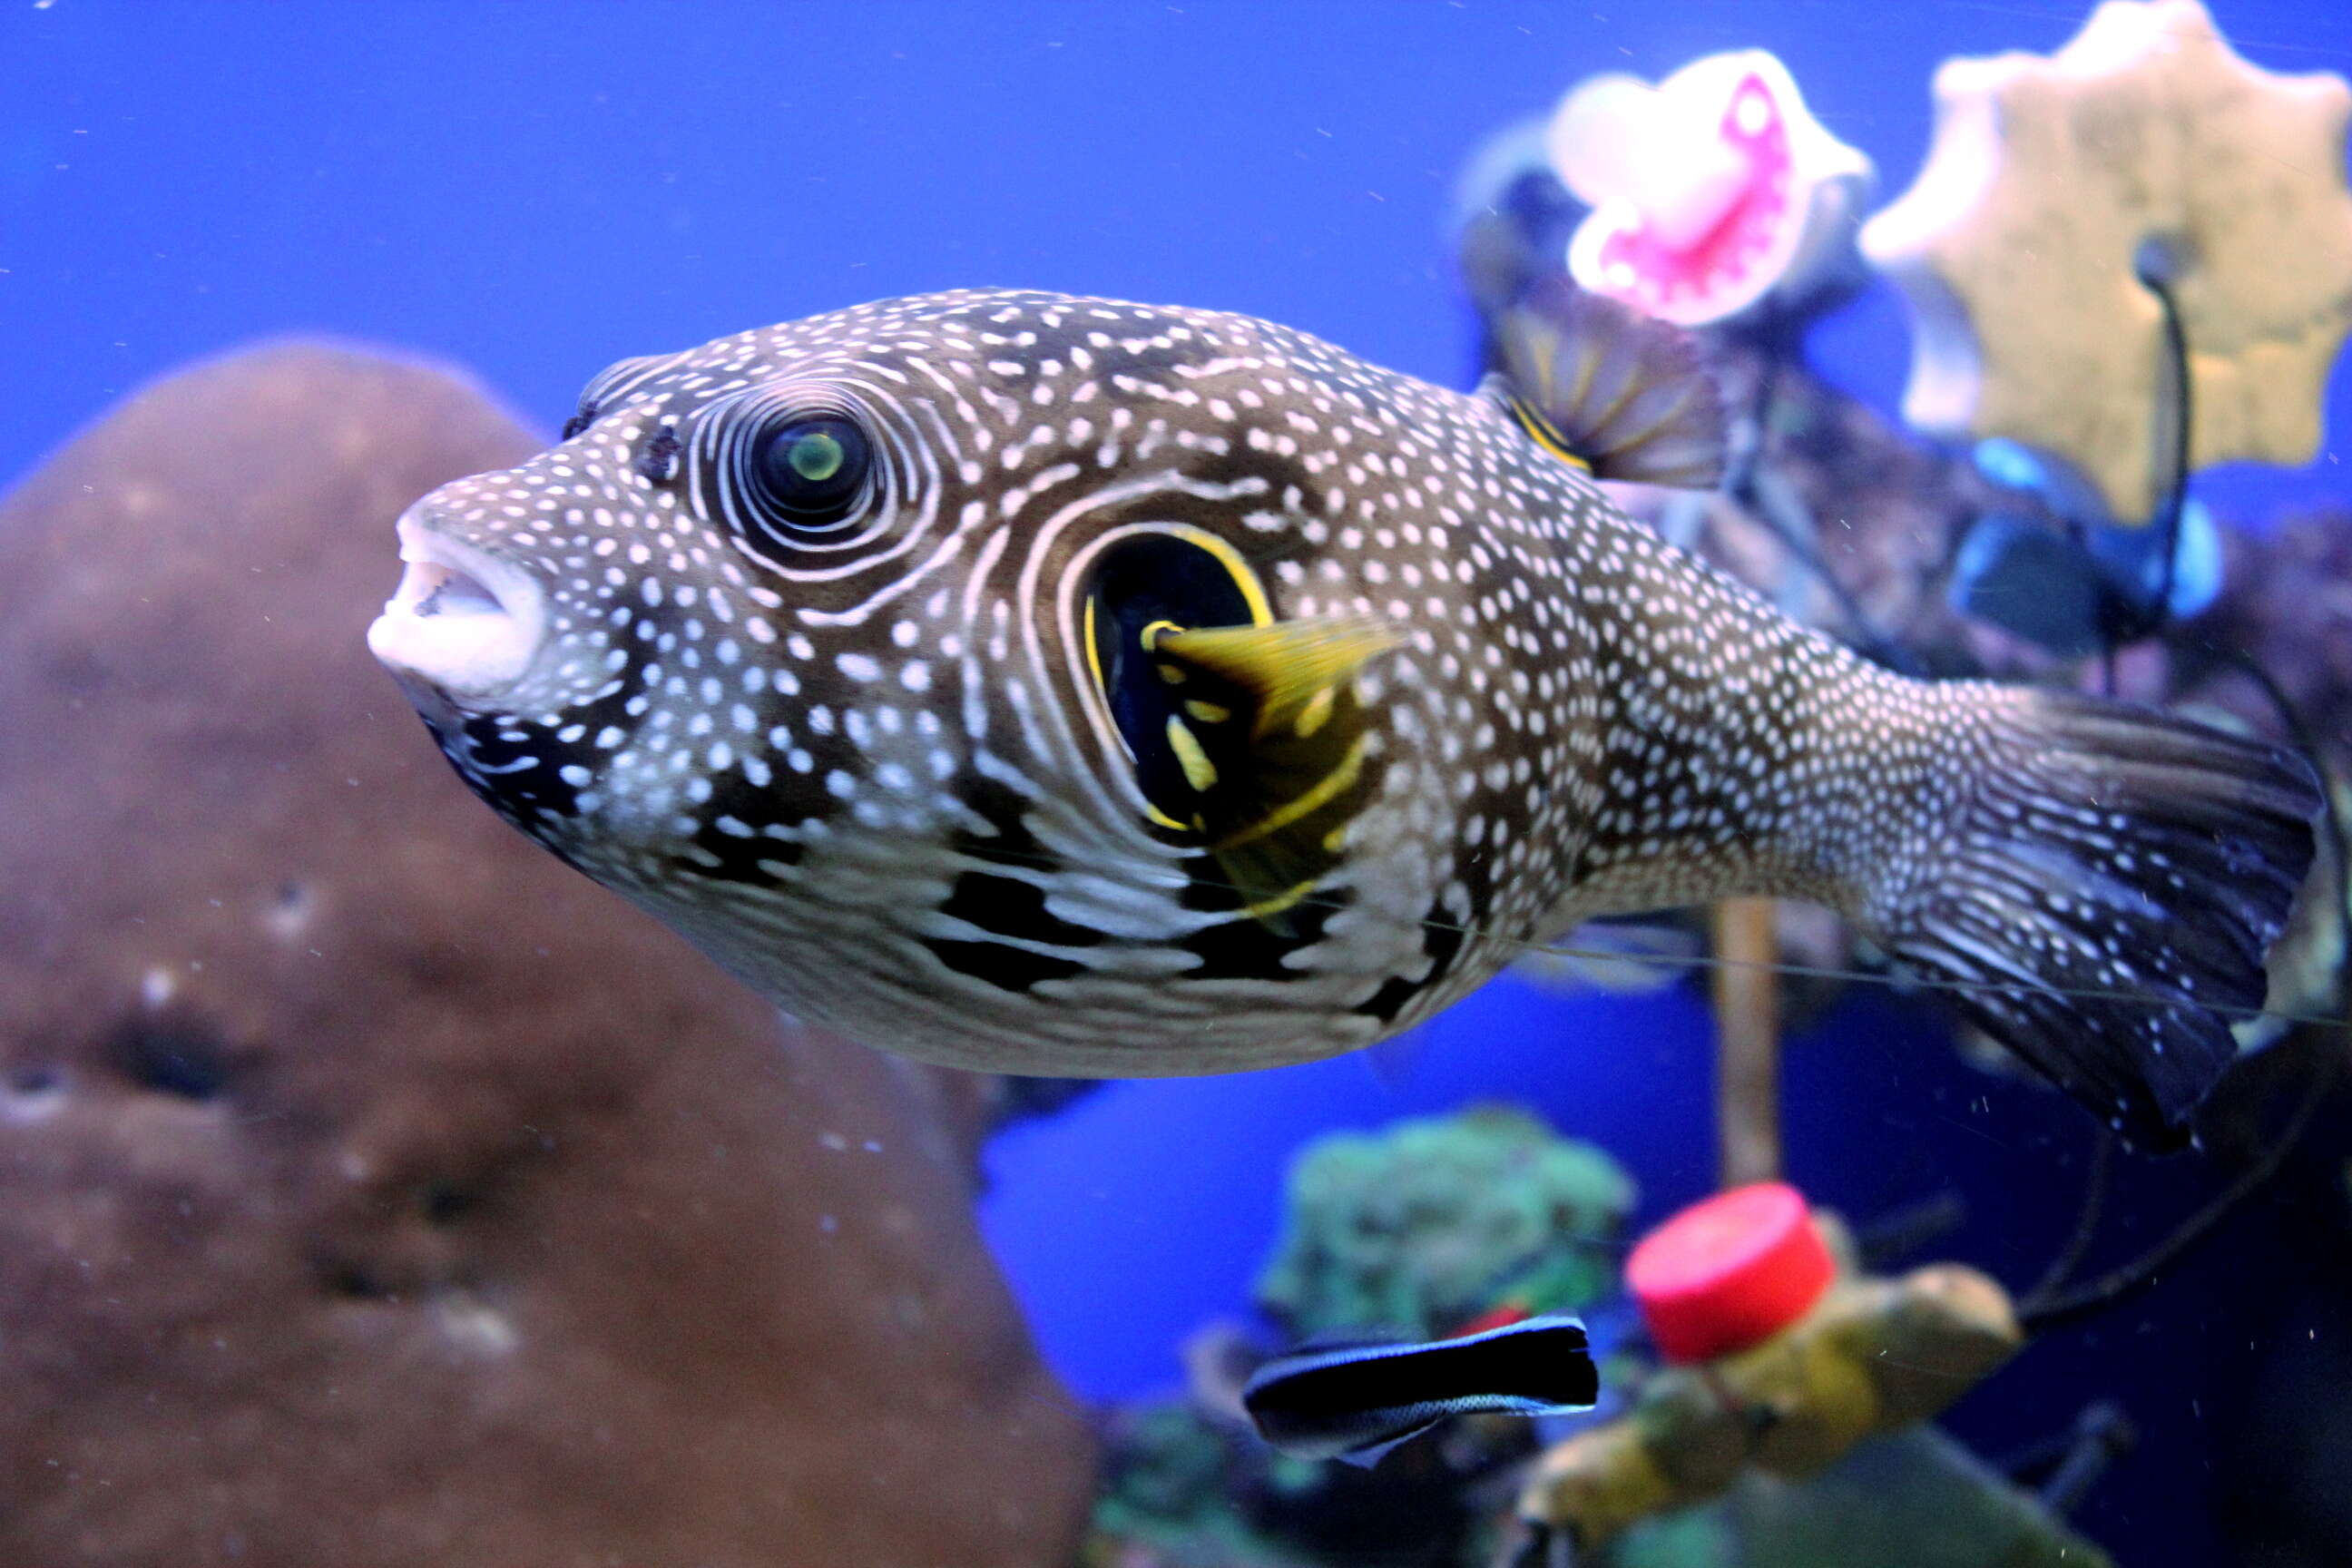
<point x="373" y="1190"/>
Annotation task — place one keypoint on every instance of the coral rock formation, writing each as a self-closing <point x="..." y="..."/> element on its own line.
<point x="372" y="1189"/>
<point x="2147" y="133"/>
<point x="1713" y="192"/>
<point x="1412" y="1229"/>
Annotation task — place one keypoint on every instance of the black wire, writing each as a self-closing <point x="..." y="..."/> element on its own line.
<point x="1740" y="485"/>
<point x="2176" y="493"/>
<point x="1906" y="1230"/>
<point x="2126" y="616"/>
<point x="2086" y="1225"/>
<point x="2042" y="1308"/>
<point x="2101" y="1434"/>
<point x="2129" y="617"/>
<point x="2121" y="1284"/>
<point x="2301" y="735"/>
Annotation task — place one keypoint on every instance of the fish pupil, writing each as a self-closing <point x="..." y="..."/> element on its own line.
<point x="816" y="457"/>
<point x="812" y="469"/>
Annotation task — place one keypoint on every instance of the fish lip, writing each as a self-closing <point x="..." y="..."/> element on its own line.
<point x="464" y="623"/>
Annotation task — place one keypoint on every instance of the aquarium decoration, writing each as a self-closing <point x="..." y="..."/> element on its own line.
<point x="1915" y="1498"/>
<point x="1714" y="194"/>
<point x="2022" y="555"/>
<point x="1729" y="1273"/>
<point x="1776" y="1358"/>
<point x="1772" y="1406"/>
<point x="2055" y="571"/>
<point x="1419" y="1228"/>
<point x="1430" y="1228"/>
<point x="1774" y="1383"/>
<point x="2072" y="204"/>
<point x="2075" y="595"/>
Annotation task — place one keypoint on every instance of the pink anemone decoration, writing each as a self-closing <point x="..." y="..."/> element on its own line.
<point x="1712" y="192"/>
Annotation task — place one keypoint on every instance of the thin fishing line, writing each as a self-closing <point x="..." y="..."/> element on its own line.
<point x="1895" y="980"/>
<point x="1921" y="983"/>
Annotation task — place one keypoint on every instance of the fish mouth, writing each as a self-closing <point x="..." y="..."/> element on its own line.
<point x="462" y="621"/>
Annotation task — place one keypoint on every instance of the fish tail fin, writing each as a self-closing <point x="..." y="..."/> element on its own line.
<point x="1599" y="384"/>
<point x="2107" y="877"/>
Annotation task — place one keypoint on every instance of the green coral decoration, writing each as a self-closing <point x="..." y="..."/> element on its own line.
<point x="1170" y="1476"/>
<point x="1916" y="1498"/>
<point x="1171" y="1469"/>
<point x="1429" y="1223"/>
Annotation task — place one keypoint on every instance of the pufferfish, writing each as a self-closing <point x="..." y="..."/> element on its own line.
<point x="1054" y="685"/>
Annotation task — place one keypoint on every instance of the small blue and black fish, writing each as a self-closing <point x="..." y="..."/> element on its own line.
<point x="1065" y="686"/>
<point x="1356" y="1401"/>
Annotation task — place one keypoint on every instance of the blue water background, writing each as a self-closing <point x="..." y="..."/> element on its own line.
<point x="535" y="189"/>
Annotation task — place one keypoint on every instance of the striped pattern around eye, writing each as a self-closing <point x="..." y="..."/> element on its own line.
<point x="725" y="485"/>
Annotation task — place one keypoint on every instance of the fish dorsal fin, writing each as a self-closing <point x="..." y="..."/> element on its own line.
<point x="1623" y="394"/>
<point x="1273" y="742"/>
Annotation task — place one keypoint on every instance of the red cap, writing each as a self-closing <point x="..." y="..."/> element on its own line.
<point x="1729" y="1272"/>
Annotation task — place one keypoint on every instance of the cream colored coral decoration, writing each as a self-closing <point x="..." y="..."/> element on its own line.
<point x="2048" y="177"/>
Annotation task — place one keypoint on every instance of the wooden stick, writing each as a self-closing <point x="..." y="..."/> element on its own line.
<point x="1747" y="1052"/>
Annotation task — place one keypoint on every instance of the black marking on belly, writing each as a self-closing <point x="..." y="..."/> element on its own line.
<point x="738" y="858"/>
<point x="788" y="800"/>
<point x="1206" y="890"/>
<point x="529" y="796"/>
<point x="1007" y="968"/>
<point x="1250" y="949"/>
<point x="1244" y="948"/>
<point x="1004" y="809"/>
<point x="1007" y="906"/>
<point x="1442" y="937"/>
<point x="520" y="777"/>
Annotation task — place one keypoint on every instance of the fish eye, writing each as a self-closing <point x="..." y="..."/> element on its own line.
<point x="809" y="473"/>
<point x="787" y="479"/>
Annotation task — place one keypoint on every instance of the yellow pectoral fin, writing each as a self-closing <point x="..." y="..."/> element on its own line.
<point x="1299" y="807"/>
<point x="1277" y="842"/>
<point x="1293" y="749"/>
<point x="1288" y="669"/>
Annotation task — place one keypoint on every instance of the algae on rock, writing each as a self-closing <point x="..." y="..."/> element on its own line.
<point x="1419" y="1227"/>
<point x="1916" y="1498"/>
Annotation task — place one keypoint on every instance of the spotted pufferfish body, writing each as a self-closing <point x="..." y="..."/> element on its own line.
<point x="1057" y="685"/>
